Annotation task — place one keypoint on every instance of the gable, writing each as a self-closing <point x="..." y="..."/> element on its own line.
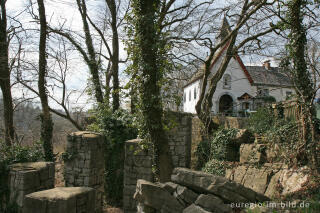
<point x="215" y="65"/>
<point x="256" y="75"/>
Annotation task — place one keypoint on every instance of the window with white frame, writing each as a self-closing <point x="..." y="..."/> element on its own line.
<point x="195" y="93"/>
<point x="189" y="95"/>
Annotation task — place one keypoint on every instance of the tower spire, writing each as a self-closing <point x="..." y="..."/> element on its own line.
<point x="224" y="30"/>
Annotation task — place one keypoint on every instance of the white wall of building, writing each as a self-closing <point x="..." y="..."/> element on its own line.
<point x="189" y="100"/>
<point x="239" y="86"/>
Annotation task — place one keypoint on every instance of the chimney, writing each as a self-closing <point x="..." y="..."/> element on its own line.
<point x="267" y="64"/>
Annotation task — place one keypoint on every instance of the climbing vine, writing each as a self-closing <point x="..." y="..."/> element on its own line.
<point x="117" y="127"/>
<point x="293" y="20"/>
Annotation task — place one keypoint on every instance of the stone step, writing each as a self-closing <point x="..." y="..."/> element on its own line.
<point x="61" y="199"/>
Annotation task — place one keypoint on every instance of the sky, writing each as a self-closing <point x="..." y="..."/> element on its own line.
<point x="56" y="10"/>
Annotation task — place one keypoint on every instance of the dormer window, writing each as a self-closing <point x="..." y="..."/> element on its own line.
<point x="226" y="81"/>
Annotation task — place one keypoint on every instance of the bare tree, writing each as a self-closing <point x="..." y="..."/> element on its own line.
<point x="91" y="60"/>
<point x="115" y="53"/>
<point x="94" y="56"/>
<point x="5" y="83"/>
<point x="46" y="120"/>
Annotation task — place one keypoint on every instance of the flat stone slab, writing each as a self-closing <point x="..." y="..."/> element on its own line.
<point x="30" y="166"/>
<point x="86" y="134"/>
<point x="61" y="199"/>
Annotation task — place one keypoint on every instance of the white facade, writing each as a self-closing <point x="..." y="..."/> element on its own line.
<point x="233" y="84"/>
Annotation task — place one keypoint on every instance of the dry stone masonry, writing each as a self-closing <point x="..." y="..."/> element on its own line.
<point x="138" y="161"/>
<point x="137" y="165"/>
<point x="271" y="179"/>
<point x="191" y="192"/>
<point x="61" y="200"/>
<point x="84" y="163"/>
<point x="25" y="178"/>
<point x="179" y="136"/>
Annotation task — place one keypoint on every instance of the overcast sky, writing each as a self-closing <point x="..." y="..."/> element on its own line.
<point x="57" y="10"/>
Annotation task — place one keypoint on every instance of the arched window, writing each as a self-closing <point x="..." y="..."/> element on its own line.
<point x="226" y="81"/>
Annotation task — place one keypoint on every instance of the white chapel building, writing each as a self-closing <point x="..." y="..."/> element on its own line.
<point x="241" y="89"/>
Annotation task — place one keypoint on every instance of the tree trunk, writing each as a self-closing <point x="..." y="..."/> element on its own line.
<point x="204" y="104"/>
<point x="115" y="55"/>
<point x="151" y="103"/>
<point x="46" y="121"/>
<point x="93" y="64"/>
<point x="300" y="77"/>
<point x="5" y="77"/>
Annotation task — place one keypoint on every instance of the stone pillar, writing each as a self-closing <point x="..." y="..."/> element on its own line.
<point x="137" y="165"/>
<point x="138" y="162"/>
<point x="84" y="163"/>
<point x="179" y="138"/>
<point x="25" y="178"/>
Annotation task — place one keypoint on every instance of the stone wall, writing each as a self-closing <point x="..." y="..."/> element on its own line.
<point x="197" y="130"/>
<point x="271" y="179"/>
<point x="138" y="162"/>
<point x="84" y="163"/>
<point x="230" y="122"/>
<point x="25" y="178"/>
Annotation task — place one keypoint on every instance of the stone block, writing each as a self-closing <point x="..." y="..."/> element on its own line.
<point x="194" y="209"/>
<point x="253" y="153"/>
<point x="170" y="187"/>
<point x="61" y="199"/>
<point x="225" y="189"/>
<point x="25" y="178"/>
<point x="213" y="204"/>
<point x="151" y="194"/>
<point x="257" y="179"/>
<point x="185" y="194"/>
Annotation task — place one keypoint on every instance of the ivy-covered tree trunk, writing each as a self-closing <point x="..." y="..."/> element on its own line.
<point x="115" y="55"/>
<point x="5" y="77"/>
<point x="46" y="120"/>
<point x="301" y="76"/>
<point x="91" y="60"/>
<point x="147" y="40"/>
<point x="133" y="95"/>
